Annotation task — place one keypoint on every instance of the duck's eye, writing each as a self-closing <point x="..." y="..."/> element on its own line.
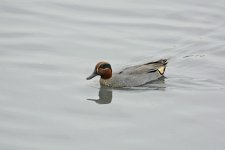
<point x="104" y="66"/>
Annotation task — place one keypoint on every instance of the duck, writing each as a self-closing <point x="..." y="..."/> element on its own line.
<point x="130" y="76"/>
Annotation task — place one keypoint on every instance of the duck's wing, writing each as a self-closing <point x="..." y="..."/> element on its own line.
<point x="150" y="67"/>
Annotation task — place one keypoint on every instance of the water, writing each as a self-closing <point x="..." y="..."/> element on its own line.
<point x="49" y="47"/>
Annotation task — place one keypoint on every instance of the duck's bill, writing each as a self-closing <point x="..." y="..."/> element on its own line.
<point x="91" y="76"/>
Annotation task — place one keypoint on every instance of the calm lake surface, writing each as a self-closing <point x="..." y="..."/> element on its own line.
<point x="49" y="47"/>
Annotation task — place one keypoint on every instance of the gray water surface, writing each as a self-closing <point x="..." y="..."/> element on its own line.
<point x="49" y="47"/>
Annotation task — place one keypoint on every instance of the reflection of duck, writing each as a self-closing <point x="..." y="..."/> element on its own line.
<point x="105" y="96"/>
<point x="158" y="84"/>
<point x="130" y="76"/>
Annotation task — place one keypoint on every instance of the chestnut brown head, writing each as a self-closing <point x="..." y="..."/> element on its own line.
<point x="102" y="69"/>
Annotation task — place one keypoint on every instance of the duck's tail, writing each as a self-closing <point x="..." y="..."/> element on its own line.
<point x="159" y="65"/>
<point x="162" y="67"/>
<point x="159" y="62"/>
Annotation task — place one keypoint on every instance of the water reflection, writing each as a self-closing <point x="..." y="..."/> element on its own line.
<point x="106" y="94"/>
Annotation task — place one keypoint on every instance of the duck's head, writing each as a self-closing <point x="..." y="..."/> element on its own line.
<point x="102" y="69"/>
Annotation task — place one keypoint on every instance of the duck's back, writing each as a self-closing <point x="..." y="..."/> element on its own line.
<point x="150" y="67"/>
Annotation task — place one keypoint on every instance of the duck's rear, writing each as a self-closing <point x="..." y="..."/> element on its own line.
<point x="159" y="65"/>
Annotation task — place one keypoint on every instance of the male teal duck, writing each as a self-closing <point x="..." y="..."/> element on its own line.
<point x="131" y="76"/>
